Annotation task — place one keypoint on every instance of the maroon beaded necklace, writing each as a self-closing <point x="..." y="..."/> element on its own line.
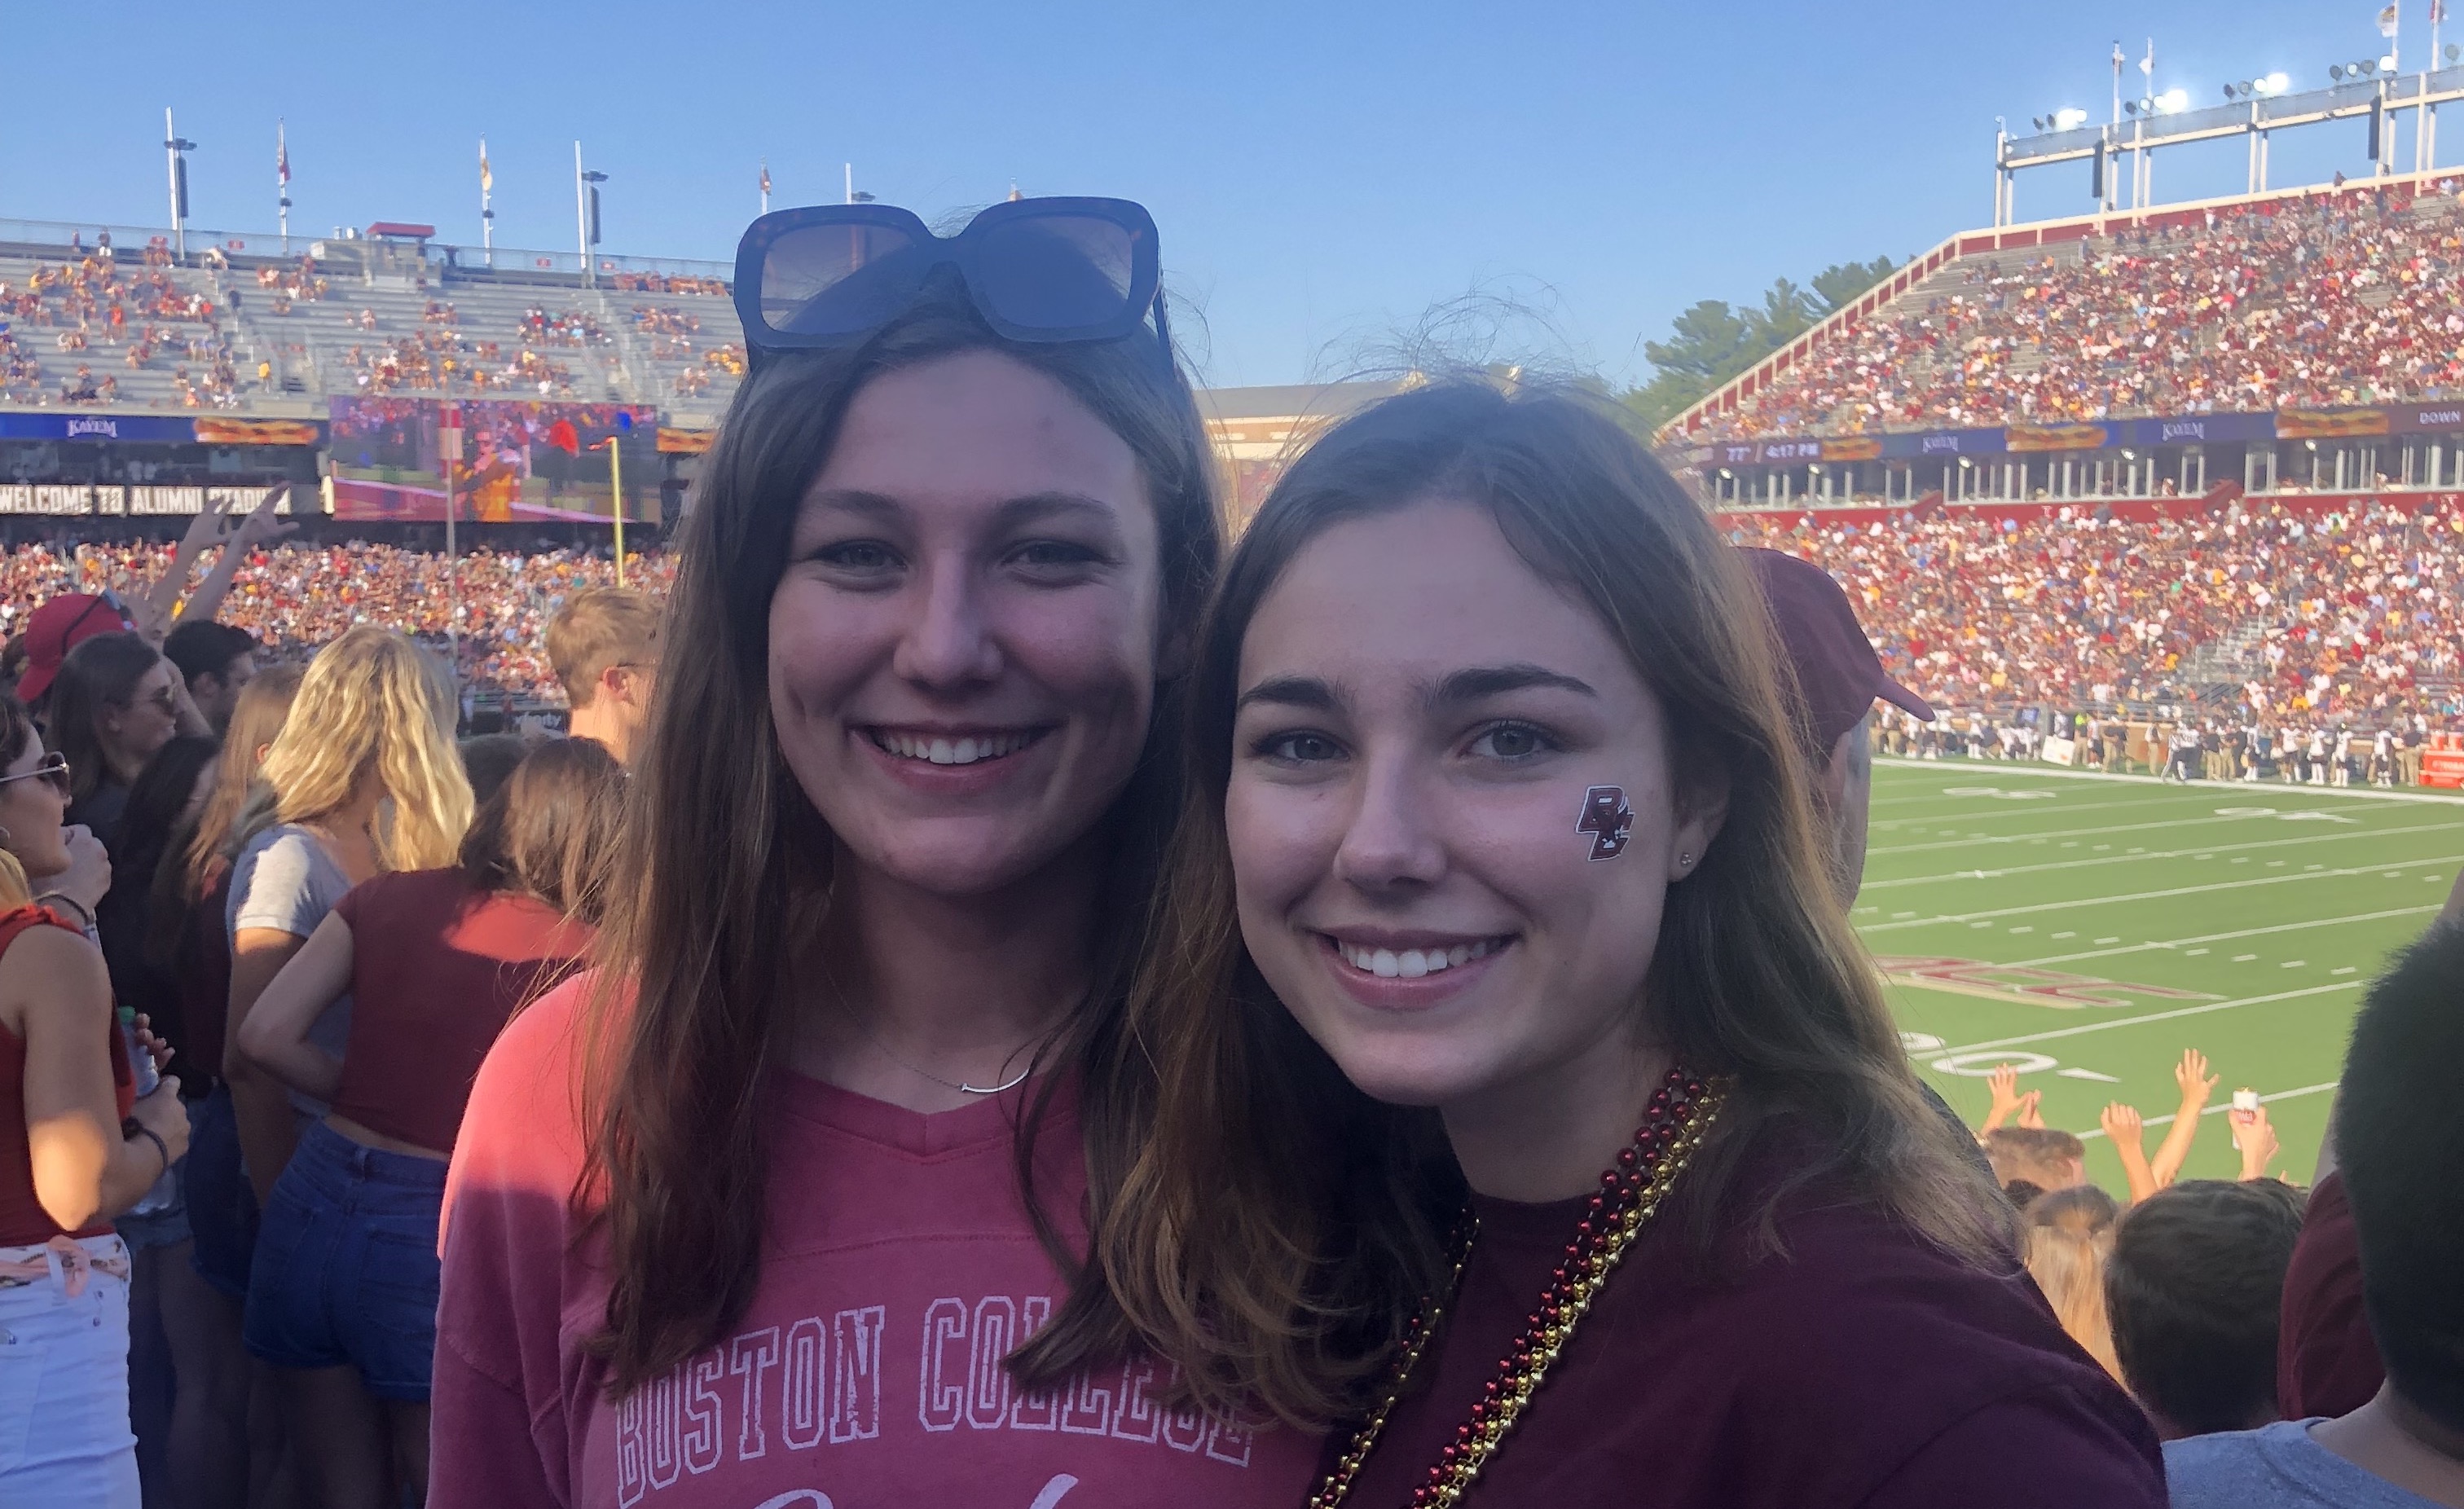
<point x="1680" y="1116"/>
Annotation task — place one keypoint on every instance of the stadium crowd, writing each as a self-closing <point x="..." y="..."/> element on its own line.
<point x="2348" y="298"/>
<point x="291" y="598"/>
<point x="99" y="301"/>
<point x="323" y="1096"/>
<point x="2349" y="618"/>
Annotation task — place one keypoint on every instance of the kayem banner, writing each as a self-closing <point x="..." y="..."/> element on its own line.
<point x="216" y="429"/>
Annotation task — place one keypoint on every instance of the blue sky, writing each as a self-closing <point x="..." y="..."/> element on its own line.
<point x="1323" y="173"/>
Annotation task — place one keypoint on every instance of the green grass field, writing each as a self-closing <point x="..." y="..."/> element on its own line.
<point x="2088" y="929"/>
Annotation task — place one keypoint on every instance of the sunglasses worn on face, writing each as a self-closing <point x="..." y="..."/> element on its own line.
<point x="163" y="702"/>
<point x="53" y="767"/>
<point x="1040" y="270"/>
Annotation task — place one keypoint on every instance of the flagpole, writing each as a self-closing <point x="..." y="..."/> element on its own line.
<point x="487" y="215"/>
<point x="765" y="185"/>
<point x="282" y="182"/>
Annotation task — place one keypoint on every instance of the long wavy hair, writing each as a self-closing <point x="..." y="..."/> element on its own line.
<point x="1277" y="1230"/>
<point x="369" y="701"/>
<point x="102" y="672"/>
<point x="724" y="868"/>
<point x="2070" y="1237"/>
<point x="264" y="706"/>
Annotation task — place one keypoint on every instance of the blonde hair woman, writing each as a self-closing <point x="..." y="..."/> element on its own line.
<point x="364" y="779"/>
<point x="2070" y="1236"/>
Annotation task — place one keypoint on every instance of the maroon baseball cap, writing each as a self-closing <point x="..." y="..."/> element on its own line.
<point x="1837" y="673"/>
<point x="61" y="626"/>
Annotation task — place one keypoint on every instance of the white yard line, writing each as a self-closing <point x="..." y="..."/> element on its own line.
<point x="2164" y="943"/>
<point x="2159" y="895"/>
<point x="2074" y="833"/>
<point x="2346" y="835"/>
<point x="2011" y="809"/>
<point x="2112" y="1022"/>
<point x="1983" y="771"/>
<point x="2264" y="1100"/>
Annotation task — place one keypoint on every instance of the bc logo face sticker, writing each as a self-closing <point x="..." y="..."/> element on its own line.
<point x="1608" y="820"/>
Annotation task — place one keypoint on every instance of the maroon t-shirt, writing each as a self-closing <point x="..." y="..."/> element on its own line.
<point x="2326" y="1362"/>
<point x="438" y="966"/>
<point x="1864" y="1369"/>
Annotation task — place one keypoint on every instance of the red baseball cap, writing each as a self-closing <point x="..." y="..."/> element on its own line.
<point x="61" y="626"/>
<point x="1837" y="673"/>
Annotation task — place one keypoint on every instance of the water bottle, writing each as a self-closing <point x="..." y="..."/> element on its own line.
<point x="142" y="1070"/>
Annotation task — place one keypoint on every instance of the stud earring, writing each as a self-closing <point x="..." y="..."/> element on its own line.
<point x="1686" y="860"/>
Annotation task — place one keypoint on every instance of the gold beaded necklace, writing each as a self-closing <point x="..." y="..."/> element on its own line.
<point x="1680" y="1116"/>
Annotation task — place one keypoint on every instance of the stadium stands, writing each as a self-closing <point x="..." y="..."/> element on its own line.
<point x="2257" y="610"/>
<point x="2302" y="302"/>
<point x="127" y="330"/>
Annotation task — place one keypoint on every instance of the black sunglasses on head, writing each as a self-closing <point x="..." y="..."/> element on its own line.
<point x="1040" y="270"/>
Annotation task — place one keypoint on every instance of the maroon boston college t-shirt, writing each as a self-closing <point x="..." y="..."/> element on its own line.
<point x="1864" y="1369"/>
<point x="900" y="1270"/>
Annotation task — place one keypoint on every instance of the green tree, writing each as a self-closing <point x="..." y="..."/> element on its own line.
<point x="1842" y="281"/>
<point x="1712" y="342"/>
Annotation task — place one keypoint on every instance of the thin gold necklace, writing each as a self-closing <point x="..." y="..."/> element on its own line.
<point x="1680" y="1116"/>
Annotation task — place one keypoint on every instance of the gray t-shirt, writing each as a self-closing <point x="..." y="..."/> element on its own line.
<point x="2278" y="1467"/>
<point x="285" y="881"/>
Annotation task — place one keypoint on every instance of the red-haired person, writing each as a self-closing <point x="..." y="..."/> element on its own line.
<point x="1526" y="1103"/>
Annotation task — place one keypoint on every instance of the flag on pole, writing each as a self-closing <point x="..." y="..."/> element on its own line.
<point x="2438" y="11"/>
<point x="765" y="177"/>
<point x="281" y="157"/>
<point x="487" y="177"/>
<point x="2388" y="22"/>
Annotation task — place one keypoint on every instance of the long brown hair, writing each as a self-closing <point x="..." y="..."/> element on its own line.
<point x="547" y="830"/>
<point x="723" y="870"/>
<point x="1277" y="1230"/>
<point x="102" y="671"/>
<point x="264" y="706"/>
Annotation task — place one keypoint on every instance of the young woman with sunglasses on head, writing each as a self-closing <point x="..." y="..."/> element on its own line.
<point x="763" y="1209"/>
<point x="1494" y="816"/>
<point x="76" y="1147"/>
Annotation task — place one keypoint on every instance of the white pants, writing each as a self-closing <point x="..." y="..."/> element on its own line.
<point x="64" y="1436"/>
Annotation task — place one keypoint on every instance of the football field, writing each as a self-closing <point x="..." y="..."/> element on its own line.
<point x="2086" y="930"/>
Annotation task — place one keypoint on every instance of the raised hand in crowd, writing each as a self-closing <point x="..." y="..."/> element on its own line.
<point x="2123" y="1127"/>
<point x="88" y="877"/>
<point x="2254" y="1137"/>
<point x="2002" y="1084"/>
<point x="2197" y="1085"/>
<point x="2032" y="1114"/>
<point x="153" y="613"/>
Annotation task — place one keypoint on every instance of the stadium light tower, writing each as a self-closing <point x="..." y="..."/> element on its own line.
<point x="174" y="144"/>
<point x="585" y="214"/>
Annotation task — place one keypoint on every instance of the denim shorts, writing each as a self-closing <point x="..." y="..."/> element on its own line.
<point x="221" y="1203"/>
<point x="346" y="1269"/>
<point x="64" y="1436"/>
